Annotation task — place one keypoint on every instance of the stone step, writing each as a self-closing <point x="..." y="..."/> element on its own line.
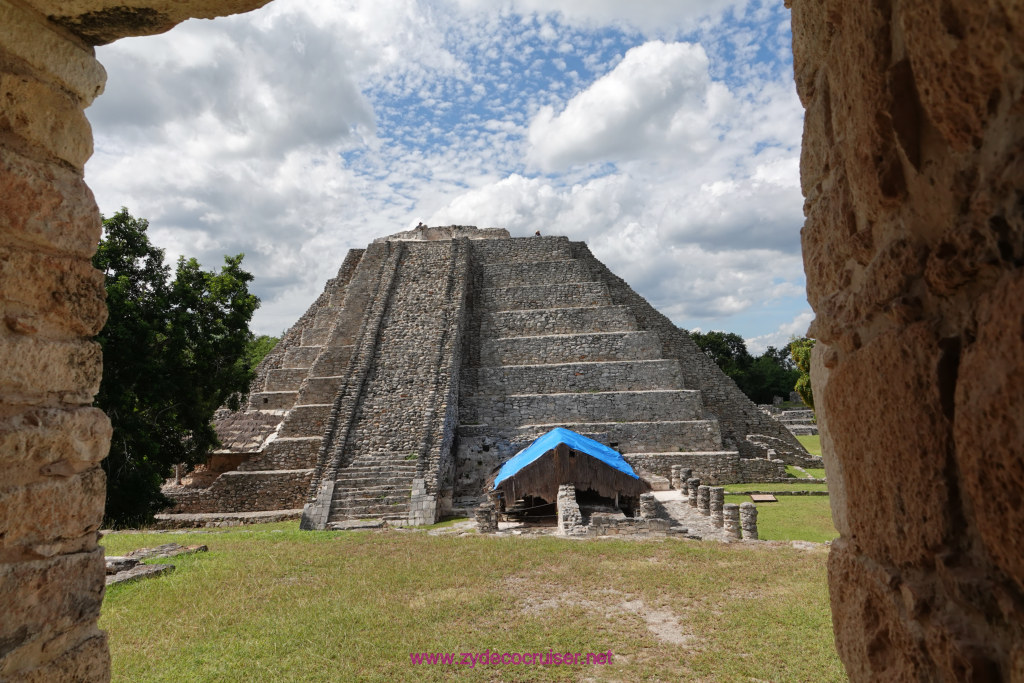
<point x="802" y="429"/>
<point x="535" y="273"/>
<point x="307" y="420"/>
<point x="300" y="356"/>
<point x="245" y="492"/>
<point x="375" y="473"/>
<point x="399" y="514"/>
<point x="273" y="400"/>
<point x="568" y="348"/>
<point x="316" y="335"/>
<point x="575" y="294"/>
<point x="327" y="315"/>
<point x="244" y="431"/>
<point x="518" y="251"/>
<point x="633" y="375"/>
<point x="285" y="453"/>
<point x="625" y="437"/>
<point x="332" y="361"/>
<point x="376" y="482"/>
<point x="285" y="379"/>
<point x="605" y="406"/>
<point x="355" y="496"/>
<point x="544" y="321"/>
<point x="319" y="390"/>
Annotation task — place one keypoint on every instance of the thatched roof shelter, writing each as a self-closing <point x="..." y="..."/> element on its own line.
<point x="564" y="457"/>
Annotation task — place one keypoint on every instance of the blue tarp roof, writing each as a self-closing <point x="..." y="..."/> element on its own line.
<point x="575" y="441"/>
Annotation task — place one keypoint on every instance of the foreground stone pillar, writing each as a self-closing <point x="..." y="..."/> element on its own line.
<point x="486" y="518"/>
<point x="731" y="520"/>
<point x="648" y="506"/>
<point x="570" y="521"/>
<point x="680" y="475"/>
<point x="692" y="486"/>
<point x="704" y="500"/>
<point x="716" y="499"/>
<point x="748" y="520"/>
<point x="912" y="170"/>
<point x="51" y="440"/>
<point x="52" y="489"/>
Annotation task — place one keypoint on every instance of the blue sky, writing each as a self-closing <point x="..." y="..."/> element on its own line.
<point x="664" y="133"/>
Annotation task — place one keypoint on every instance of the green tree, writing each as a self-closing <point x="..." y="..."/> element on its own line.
<point x="762" y="377"/>
<point x="800" y="350"/>
<point x="727" y="349"/>
<point x="173" y="352"/>
<point x="258" y="348"/>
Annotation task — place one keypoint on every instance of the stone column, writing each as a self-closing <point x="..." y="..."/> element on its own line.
<point x="676" y="481"/>
<point x="748" y="520"/>
<point x="704" y="499"/>
<point x="691" y="490"/>
<point x="570" y="521"/>
<point x="486" y="518"/>
<point x="913" y="248"/>
<point x="648" y="506"/>
<point x="52" y="440"/>
<point x="731" y="520"/>
<point x="716" y="499"/>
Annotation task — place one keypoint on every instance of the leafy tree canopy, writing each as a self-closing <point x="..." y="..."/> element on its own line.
<point x="762" y="377"/>
<point x="800" y="349"/>
<point x="174" y="350"/>
<point x="258" y="348"/>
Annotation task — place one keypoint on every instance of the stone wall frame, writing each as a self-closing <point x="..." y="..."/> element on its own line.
<point x="911" y="168"/>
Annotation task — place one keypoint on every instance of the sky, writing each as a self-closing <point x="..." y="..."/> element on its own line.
<point x="664" y="133"/>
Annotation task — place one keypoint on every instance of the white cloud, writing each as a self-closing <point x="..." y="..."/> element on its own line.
<point x="659" y="100"/>
<point x="301" y="130"/>
<point x="655" y="17"/>
<point x="797" y="327"/>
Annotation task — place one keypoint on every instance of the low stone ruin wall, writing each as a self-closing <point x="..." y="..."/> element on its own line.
<point x="715" y="468"/>
<point x="244" y="492"/>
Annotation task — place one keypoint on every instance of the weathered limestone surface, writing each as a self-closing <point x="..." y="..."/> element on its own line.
<point x="51" y="305"/>
<point x="914" y="183"/>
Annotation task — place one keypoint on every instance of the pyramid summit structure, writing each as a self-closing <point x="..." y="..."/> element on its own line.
<point x="438" y="353"/>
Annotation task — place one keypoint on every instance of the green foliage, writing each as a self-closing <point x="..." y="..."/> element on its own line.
<point x="800" y="350"/>
<point x="762" y="377"/>
<point x="257" y="349"/>
<point x="173" y="352"/>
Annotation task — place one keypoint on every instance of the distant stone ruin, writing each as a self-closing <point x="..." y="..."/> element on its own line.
<point x="438" y="353"/>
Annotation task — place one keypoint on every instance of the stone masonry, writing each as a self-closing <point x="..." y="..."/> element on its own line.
<point x="911" y="172"/>
<point x="437" y="353"/>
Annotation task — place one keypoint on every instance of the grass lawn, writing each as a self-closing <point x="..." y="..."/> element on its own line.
<point x="811" y="443"/>
<point x="785" y="486"/>
<point x="803" y="518"/>
<point x="796" y="473"/>
<point x="816" y="472"/>
<point x="271" y="603"/>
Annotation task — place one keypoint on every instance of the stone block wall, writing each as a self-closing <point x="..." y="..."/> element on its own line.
<point x="912" y="170"/>
<point x="717" y="468"/>
<point x="246" y="491"/>
<point x="51" y="439"/>
<point x="597" y="346"/>
<point x="577" y="377"/>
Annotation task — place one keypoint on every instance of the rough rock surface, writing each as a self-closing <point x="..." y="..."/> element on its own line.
<point x="51" y="305"/>
<point x="913" y="174"/>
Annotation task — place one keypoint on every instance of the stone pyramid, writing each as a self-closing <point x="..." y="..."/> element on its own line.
<point x="438" y="353"/>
